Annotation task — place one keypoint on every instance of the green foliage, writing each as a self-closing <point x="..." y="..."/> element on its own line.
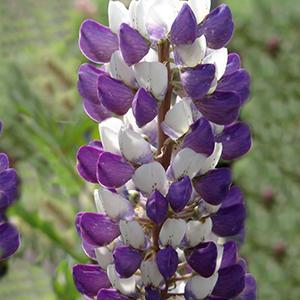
<point x="26" y="281"/>
<point x="63" y="282"/>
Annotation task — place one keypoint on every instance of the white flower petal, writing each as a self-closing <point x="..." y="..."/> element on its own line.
<point x="211" y="209"/>
<point x="117" y="14"/>
<point x="151" y="177"/>
<point x="200" y="8"/>
<point x="220" y="249"/>
<point x="212" y="160"/>
<point x="187" y="162"/>
<point x="132" y="234"/>
<point x="172" y="232"/>
<point x="191" y="55"/>
<point x="150" y="273"/>
<point x="153" y="76"/>
<point x="201" y="287"/>
<point x="178" y="120"/>
<point x="126" y="286"/>
<point x="197" y="231"/>
<point x="109" y="134"/>
<point x="219" y="58"/>
<point x="120" y="70"/>
<point x="114" y="205"/>
<point x="151" y="56"/>
<point x="138" y="10"/>
<point x="104" y="257"/>
<point x="134" y="147"/>
<point x="162" y="14"/>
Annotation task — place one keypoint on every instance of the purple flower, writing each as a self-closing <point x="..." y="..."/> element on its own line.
<point x="97" y="42"/>
<point x="89" y="279"/>
<point x="166" y="211"/>
<point x="97" y="229"/>
<point x="9" y="235"/>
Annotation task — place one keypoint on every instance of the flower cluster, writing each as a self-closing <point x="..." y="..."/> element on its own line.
<point x="167" y="99"/>
<point x="9" y="236"/>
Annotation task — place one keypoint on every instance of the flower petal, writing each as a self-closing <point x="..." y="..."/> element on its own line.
<point x="126" y="286"/>
<point x="157" y="207"/>
<point x="199" y="287"/>
<point x="233" y="64"/>
<point x="109" y="134"/>
<point x="127" y="260"/>
<point x="150" y="177"/>
<point x="236" y="141"/>
<point x="218" y="58"/>
<point x="9" y="240"/>
<point x="115" y="95"/>
<point x="97" y="42"/>
<point x="180" y="193"/>
<point x="114" y="205"/>
<point x="184" y="28"/>
<point x="249" y="292"/>
<point x="87" y="157"/>
<point x="212" y="160"/>
<point x="201" y="138"/>
<point x="238" y="82"/>
<point x="133" y="45"/>
<point x="87" y="82"/>
<point x="197" y="231"/>
<point x="203" y="259"/>
<point x="231" y="282"/>
<point x="230" y="254"/>
<point x="104" y="256"/>
<point x="172" y="232"/>
<point x="217" y="27"/>
<point x="134" y="147"/>
<point x="190" y="55"/>
<point x="187" y="163"/>
<point x="221" y="107"/>
<point x="96" y="111"/>
<point x="197" y="81"/>
<point x="89" y="279"/>
<point x="152" y="293"/>
<point x="167" y="261"/>
<point x="230" y="218"/>
<point x="132" y="234"/>
<point x="144" y="107"/>
<point x="214" y="186"/>
<point x="8" y="179"/>
<point x="110" y="294"/>
<point x="201" y="8"/>
<point x="97" y="229"/>
<point x="118" y="69"/>
<point x="152" y="76"/>
<point x="113" y="171"/>
<point x="150" y="273"/>
<point x="117" y="14"/>
<point x="160" y="18"/>
<point x="4" y="162"/>
<point x="178" y="120"/>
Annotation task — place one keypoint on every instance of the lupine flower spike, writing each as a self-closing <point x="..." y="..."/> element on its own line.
<point x="167" y="97"/>
<point x="9" y="235"/>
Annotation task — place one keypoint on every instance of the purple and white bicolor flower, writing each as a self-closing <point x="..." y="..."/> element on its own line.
<point x="167" y="96"/>
<point x="9" y="235"/>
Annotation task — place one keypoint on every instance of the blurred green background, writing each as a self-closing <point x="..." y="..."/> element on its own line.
<point x="45" y="124"/>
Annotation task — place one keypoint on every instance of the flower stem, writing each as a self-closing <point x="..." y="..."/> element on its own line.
<point x="164" y="57"/>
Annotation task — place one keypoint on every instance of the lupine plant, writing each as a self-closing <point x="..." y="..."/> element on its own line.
<point x="9" y="235"/>
<point x="167" y="97"/>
